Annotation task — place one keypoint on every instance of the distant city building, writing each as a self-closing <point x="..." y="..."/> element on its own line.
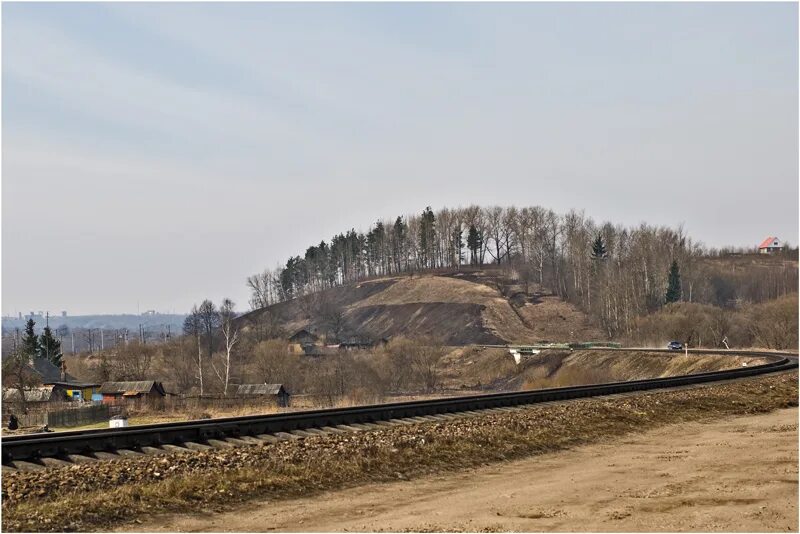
<point x="770" y="245"/>
<point x="63" y="313"/>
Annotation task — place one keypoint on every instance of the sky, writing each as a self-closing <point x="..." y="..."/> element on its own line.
<point x="157" y="154"/>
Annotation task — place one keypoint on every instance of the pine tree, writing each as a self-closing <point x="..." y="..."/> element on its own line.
<point x="427" y="237"/>
<point x="599" y="249"/>
<point x="474" y="242"/>
<point x="30" y="341"/>
<point x="674" y="284"/>
<point x="50" y="347"/>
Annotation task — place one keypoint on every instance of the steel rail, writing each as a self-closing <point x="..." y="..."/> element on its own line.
<point x="60" y="444"/>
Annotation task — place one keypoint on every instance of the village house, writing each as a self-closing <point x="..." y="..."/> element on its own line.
<point x="302" y="339"/>
<point x="277" y="391"/>
<point x="113" y="392"/>
<point x="770" y="245"/>
<point x="62" y="382"/>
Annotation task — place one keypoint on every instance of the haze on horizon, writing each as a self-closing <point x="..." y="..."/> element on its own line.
<point x="161" y="153"/>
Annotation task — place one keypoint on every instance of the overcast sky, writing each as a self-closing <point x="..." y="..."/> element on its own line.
<point x="160" y="153"/>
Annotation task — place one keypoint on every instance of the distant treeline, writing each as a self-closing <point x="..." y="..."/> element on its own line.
<point x="625" y="278"/>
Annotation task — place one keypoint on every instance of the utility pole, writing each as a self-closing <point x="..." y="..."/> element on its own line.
<point x="47" y="325"/>
<point x="73" y="341"/>
<point x="102" y="340"/>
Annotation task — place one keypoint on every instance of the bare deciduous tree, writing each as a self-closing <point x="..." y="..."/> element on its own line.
<point x="230" y="333"/>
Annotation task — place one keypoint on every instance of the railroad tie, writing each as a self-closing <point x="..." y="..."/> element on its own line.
<point x="348" y="428"/>
<point x="129" y="453"/>
<point x="332" y="430"/>
<point x="237" y="441"/>
<point x="153" y="451"/>
<point x="104" y="455"/>
<point x="174" y="448"/>
<point x="80" y="458"/>
<point x="219" y="444"/>
<point x="194" y="446"/>
<point x="28" y="466"/>
<point x="54" y="462"/>
<point x="301" y="433"/>
<point x="252" y="440"/>
<point x="283" y="436"/>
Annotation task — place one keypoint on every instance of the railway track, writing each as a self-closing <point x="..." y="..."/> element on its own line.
<point x="33" y="451"/>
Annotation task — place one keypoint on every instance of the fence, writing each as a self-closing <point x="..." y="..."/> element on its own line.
<point x="58" y="414"/>
<point x="84" y="415"/>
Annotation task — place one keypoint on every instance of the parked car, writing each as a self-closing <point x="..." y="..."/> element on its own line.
<point x="675" y="345"/>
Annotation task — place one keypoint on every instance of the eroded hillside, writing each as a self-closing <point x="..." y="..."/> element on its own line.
<point x="456" y="308"/>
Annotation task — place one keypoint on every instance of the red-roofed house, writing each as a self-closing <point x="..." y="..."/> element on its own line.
<point x="770" y="245"/>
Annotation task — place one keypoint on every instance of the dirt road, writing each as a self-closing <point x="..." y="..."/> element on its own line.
<point x="740" y="474"/>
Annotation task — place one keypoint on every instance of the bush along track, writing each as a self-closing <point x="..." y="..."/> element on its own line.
<point x="103" y="494"/>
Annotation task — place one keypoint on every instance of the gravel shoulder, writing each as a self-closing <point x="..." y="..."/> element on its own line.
<point x="735" y="475"/>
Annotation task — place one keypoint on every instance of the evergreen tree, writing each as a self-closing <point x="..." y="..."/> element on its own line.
<point x="50" y="347"/>
<point x="30" y="341"/>
<point x="674" y="284"/>
<point x="427" y="237"/>
<point x="599" y="249"/>
<point x="400" y="231"/>
<point x="474" y="243"/>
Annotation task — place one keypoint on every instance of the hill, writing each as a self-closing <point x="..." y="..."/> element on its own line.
<point x="458" y="308"/>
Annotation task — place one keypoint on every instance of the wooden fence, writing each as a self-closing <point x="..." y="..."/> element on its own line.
<point x="59" y="414"/>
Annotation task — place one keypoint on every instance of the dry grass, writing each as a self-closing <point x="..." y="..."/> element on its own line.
<point x="106" y="493"/>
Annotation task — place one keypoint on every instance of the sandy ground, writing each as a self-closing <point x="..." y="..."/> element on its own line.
<point x="739" y="474"/>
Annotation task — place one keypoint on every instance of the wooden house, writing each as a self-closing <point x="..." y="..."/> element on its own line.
<point x="72" y="388"/>
<point x="301" y="339"/>
<point x="113" y="392"/>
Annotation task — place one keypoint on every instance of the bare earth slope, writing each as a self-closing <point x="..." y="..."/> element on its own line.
<point x="457" y="310"/>
<point x="494" y="368"/>
<point x="733" y="475"/>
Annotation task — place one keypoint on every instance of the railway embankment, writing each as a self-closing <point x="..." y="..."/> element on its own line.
<point x="102" y="495"/>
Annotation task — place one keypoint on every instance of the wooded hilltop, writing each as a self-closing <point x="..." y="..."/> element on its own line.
<point x="615" y="274"/>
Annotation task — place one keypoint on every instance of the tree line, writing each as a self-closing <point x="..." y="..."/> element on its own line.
<point x="612" y="272"/>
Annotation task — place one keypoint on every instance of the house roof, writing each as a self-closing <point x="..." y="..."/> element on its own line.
<point x="767" y="242"/>
<point x="129" y="388"/>
<point x="303" y="334"/>
<point x="50" y="372"/>
<point x="40" y="394"/>
<point x="260" y="389"/>
<point x="73" y="385"/>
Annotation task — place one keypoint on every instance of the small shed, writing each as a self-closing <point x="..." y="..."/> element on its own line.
<point x="265" y="390"/>
<point x="113" y="391"/>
